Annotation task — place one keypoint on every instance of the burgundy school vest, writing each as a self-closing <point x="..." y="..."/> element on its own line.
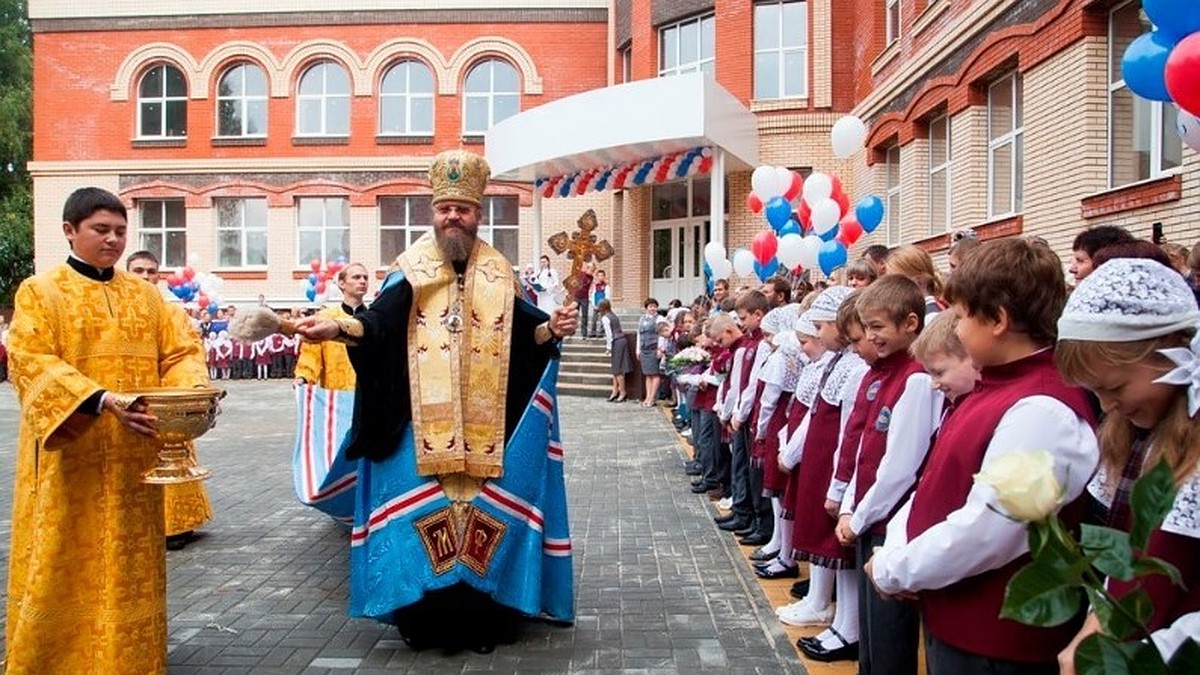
<point x="966" y="614"/>
<point x="706" y="397"/>
<point x="852" y="436"/>
<point x="892" y="373"/>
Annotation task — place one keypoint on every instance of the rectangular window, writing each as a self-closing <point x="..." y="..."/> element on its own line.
<point x="163" y="230"/>
<point x="1142" y="141"/>
<point x="402" y="221"/>
<point x="892" y="191"/>
<point x="1006" y="130"/>
<point x="323" y="226"/>
<point x="501" y="216"/>
<point x="241" y="232"/>
<point x="940" y="160"/>
<point x="687" y="46"/>
<point x="626" y="65"/>
<point x="892" y="9"/>
<point x="780" y="49"/>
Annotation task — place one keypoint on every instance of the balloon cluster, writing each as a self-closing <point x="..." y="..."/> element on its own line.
<point x="1164" y="64"/>
<point x="200" y="287"/>
<point x="317" y="284"/>
<point x="674" y="166"/>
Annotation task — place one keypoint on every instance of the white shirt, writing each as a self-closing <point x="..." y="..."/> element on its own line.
<point x="745" y="403"/>
<point x="915" y="416"/>
<point x="837" y="488"/>
<point x="608" y="334"/>
<point x="976" y="538"/>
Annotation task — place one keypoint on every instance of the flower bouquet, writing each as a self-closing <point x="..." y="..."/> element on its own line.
<point x="688" y="365"/>
<point x="1067" y="571"/>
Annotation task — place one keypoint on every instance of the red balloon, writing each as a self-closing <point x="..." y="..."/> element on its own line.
<point x="849" y="230"/>
<point x="188" y="272"/>
<point x="315" y="265"/>
<point x="837" y="184"/>
<point x="202" y="300"/>
<point x="174" y="280"/>
<point x="805" y="215"/>
<point x="764" y="246"/>
<point x="321" y="287"/>
<point x="754" y="203"/>
<point x="1183" y="73"/>
<point x="795" y="188"/>
<point x="843" y="202"/>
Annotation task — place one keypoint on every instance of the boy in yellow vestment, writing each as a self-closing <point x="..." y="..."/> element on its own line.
<point x="87" y="572"/>
<point x="185" y="505"/>
<point x="326" y="364"/>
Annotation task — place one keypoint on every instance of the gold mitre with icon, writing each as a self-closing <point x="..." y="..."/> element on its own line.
<point x="459" y="176"/>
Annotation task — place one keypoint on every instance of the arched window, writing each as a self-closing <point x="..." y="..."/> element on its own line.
<point x="242" y="101"/>
<point x="492" y="93"/>
<point x="323" y="102"/>
<point x="162" y="103"/>
<point x="406" y="100"/>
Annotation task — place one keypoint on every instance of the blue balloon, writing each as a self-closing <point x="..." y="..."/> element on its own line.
<point x="829" y="234"/>
<point x="310" y="293"/>
<point x="767" y="271"/>
<point x="213" y="309"/>
<point x="778" y="211"/>
<point x="831" y="256"/>
<point x="869" y="212"/>
<point x="341" y="259"/>
<point x="313" y="278"/>
<point x="1144" y="65"/>
<point x="790" y="227"/>
<point x="1177" y="18"/>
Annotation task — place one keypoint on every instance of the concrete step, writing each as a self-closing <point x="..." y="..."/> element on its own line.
<point x="599" y="391"/>
<point x="588" y="366"/>
<point x="566" y="377"/>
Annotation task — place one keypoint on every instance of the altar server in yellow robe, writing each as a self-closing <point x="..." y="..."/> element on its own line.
<point x="185" y="505"/>
<point x="87" y="567"/>
<point x="326" y="364"/>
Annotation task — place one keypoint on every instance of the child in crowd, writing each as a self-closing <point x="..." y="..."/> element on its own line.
<point x="599" y="294"/>
<point x="950" y="544"/>
<point x="1128" y="334"/>
<point x="712" y="447"/>
<point x="665" y="349"/>
<point x="750" y="512"/>
<point x="902" y="414"/>
<point x="944" y="358"/>
<point x="915" y="263"/>
<point x="860" y="274"/>
<point x="812" y="453"/>
<point x="616" y="345"/>
<point x="647" y="350"/>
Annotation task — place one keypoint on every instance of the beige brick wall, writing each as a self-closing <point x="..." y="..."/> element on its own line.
<point x="968" y="171"/>
<point x="821" y="53"/>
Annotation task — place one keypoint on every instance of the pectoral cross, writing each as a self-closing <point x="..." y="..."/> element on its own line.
<point x="581" y="247"/>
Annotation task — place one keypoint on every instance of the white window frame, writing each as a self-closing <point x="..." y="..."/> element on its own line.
<point x="243" y="100"/>
<point x="488" y="224"/>
<point x="946" y="169"/>
<point x="243" y="229"/>
<point x="893" y="193"/>
<point x="781" y="52"/>
<point x="700" y="62"/>
<point x="627" y="65"/>
<point x="1014" y="138"/>
<point x="1157" y="133"/>
<point x="893" y="12"/>
<point x="407" y="97"/>
<point x="163" y="232"/>
<point x="490" y="95"/>
<point x="411" y="232"/>
<point x="162" y="99"/>
<point x="324" y="97"/>
<point x="324" y="229"/>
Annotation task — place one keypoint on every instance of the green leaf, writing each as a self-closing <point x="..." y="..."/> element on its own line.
<point x="1146" y="566"/>
<point x="1143" y="658"/>
<point x="1186" y="660"/>
<point x="1153" y="497"/>
<point x="1039" y="535"/>
<point x="1131" y="622"/>
<point x="1037" y="596"/>
<point x="1099" y="654"/>
<point x="1109" y="550"/>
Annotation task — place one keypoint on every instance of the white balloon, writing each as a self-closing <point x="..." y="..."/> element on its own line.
<point x="765" y="183"/>
<point x="848" y="136"/>
<point x="812" y="249"/>
<point x="790" y="251"/>
<point x="1188" y="127"/>
<point x="817" y="187"/>
<point x="723" y="269"/>
<point x="783" y="179"/>
<point x="825" y="215"/>
<point x="743" y="262"/>
<point x="714" y="252"/>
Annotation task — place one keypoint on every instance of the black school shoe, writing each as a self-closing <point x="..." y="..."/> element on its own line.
<point x="799" y="589"/>
<point x="848" y="651"/>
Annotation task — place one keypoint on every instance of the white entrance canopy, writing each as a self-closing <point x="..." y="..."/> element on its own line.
<point x="615" y="126"/>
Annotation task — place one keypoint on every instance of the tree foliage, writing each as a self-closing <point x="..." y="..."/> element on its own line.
<point x="16" y="139"/>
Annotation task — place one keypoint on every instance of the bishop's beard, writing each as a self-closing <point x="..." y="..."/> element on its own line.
<point x="455" y="246"/>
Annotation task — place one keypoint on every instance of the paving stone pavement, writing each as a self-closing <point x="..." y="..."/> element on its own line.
<point x="658" y="588"/>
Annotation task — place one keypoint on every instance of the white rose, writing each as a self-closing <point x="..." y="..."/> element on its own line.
<point x="1025" y="484"/>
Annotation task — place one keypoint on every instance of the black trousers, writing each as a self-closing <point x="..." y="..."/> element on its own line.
<point x="944" y="659"/>
<point x="888" y="629"/>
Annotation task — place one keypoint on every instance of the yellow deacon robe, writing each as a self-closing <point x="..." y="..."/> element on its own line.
<point x="185" y="505"/>
<point x="326" y="364"/>
<point x="87" y="572"/>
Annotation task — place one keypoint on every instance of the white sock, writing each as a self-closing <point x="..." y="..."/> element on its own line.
<point x="784" y="529"/>
<point x="820" y="587"/>
<point x="776" y="533"/>
<point x="845" y="618"/>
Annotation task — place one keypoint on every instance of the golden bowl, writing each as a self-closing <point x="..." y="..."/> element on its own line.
<point x="183" y="416"/>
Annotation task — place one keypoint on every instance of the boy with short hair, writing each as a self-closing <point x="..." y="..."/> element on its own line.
<point x="734" y="410"/>
<point x="903" y="411"/>
<point x="599" y="294"/>
<point x="942" y="354"/>
<point x="950" y="544"/>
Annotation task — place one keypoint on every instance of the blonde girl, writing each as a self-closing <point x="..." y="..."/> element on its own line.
<point x="1128" y="334"/>
<point x="914" y="263"/>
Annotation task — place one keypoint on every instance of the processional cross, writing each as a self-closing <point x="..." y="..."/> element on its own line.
<point x="581" y="247"/>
